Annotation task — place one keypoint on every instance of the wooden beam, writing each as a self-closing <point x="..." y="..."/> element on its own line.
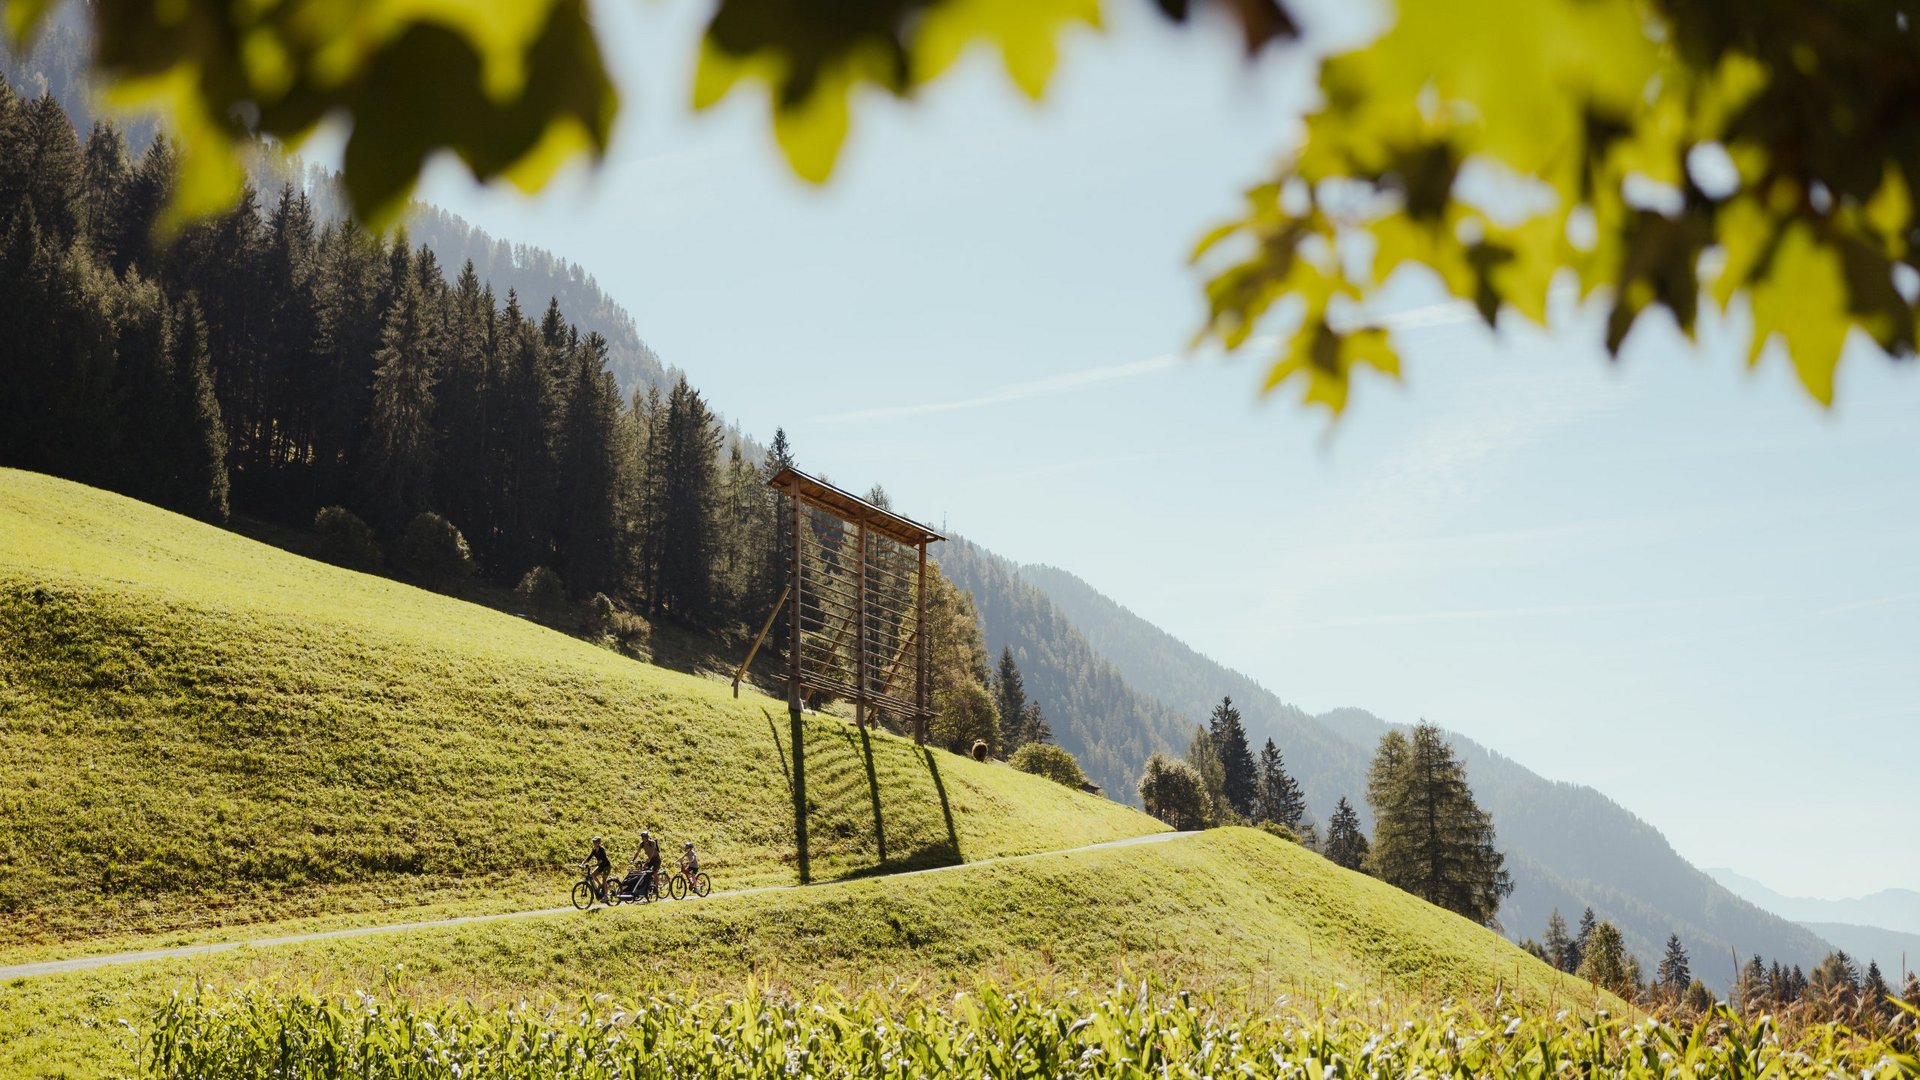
<point x="765" y="628"/>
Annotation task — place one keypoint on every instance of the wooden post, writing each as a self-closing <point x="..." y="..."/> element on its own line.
<point x="860" y="626"/>
<point x="920" y="699"/>
<point x="797" y="733"/>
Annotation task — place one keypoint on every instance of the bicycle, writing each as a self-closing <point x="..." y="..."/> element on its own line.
<point x="656" y="890"/>
<point x="698" y="884"/>
<point x="585" y="891"/>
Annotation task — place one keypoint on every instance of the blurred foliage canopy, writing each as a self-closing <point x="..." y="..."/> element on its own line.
<point x="1661" y="153"/>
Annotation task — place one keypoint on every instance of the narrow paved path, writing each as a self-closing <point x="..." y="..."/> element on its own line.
<point x="84" y="963"/>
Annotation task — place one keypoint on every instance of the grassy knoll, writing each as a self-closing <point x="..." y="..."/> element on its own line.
<point x="199" y="730"/>
<point x="1231" y="909"/>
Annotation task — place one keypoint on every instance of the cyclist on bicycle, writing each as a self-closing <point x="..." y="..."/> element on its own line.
<point x="649" y="858"/>
<point x="689" y="862"/>
<point x="602" y="867"/>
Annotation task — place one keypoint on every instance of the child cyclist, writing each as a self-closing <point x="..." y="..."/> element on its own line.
<point x="689" y="862"/>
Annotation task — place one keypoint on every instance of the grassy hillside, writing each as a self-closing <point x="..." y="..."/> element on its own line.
<point x="1233" y="909"/>
<point x="196" y="728"/>
<point x="1568" y="845"/>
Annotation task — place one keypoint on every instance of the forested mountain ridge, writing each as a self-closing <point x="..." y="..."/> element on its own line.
<point x="1568" y="845"/>
<point x="1161" y="665"/>
<point x="56" y="66"/>
<point x="1106" y="723"/>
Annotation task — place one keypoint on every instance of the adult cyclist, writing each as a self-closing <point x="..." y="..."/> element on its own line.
<point x="649" y="859"/>
<point x="601" y="866"/>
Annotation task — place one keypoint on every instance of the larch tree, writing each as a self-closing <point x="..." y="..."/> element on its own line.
<point x="1605" y="962"/>
<point x="963" y="707"/>
<point x="1204" y="758"/>
<point x="1432" y="839"/>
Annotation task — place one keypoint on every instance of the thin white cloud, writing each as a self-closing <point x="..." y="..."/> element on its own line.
<point x="1446" y="313"/>
<point x="1021" y="391"/>
<point x="1878" y="601"/>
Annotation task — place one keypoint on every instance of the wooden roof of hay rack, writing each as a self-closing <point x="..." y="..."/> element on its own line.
<point x="853" y="508"/>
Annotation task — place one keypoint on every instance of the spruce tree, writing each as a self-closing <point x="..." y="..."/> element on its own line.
<point x="53" y="170"/>
<point x="1559" y="944"/>
<point x="1346" y="843"/>
<point x="1432" y="839"/>
<point x="1674" y="973"/>
<point x="1240" y="778"/>
<point x="1033" y="725"/>
<point x="1280" y="799"/>
<point x="1754" y="991"/>
<point x="689" y="522"/>
<point x="1580" y="936"/>
<point x="586" y="532"/>
<point x="108" y="174"/>
<point x="400" y="436"/>
<point x="1010" y="702"/>
<point x="199" y="452"/>
<point x="1874" y="992"/>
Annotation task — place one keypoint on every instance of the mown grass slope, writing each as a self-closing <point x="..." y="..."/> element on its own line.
<point x="1233" y="910"/>
<point x="199" y="729"/>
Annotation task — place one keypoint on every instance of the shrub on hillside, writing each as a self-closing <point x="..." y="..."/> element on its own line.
<point x="599" y="617"/>
<point x="1172" y="791"/>
<point x="542" y="589"/>
<point x="1274" y="828"/>
<point x="345" y="540"/>
<point x="433" y="550"/>
<point x="1050" y="761"/>
<point x="631" y="634"/>
<point x="963" y="715"/>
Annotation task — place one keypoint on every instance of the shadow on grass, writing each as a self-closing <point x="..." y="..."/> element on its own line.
<point x="946" y="853"/>
<point x="780" y="752"/>
<point x="873" y="792"/>
<point x="946" y="810"/>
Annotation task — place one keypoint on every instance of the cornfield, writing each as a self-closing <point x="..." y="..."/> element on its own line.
<point x="1132" y="1032"/>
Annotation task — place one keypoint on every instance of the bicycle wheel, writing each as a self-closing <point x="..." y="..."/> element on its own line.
<point x="583" y="895"/>
<point x="702" y="885"/>
<point x="678" y="886"/>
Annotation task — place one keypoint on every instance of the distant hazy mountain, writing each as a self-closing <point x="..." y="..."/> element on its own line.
<point x="1896" y="953"/>
<point x="1568" y="846"/>
<point x="1888" y="909"/>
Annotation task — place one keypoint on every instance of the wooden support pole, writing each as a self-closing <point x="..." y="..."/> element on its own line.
<point x="860" y="631"/>
<point x="920" y="698"/>
<point x="764" y="629"/>
<point x="797" y="732"/>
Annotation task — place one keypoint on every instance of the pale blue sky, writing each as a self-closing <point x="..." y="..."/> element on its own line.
<point x="1669" y="578"/>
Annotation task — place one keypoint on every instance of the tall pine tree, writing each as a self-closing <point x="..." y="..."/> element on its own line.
<point x="1239" y="778"/>
<point x="1346" y="842"/>
<point x="1432" y="839"/>
<point x="1280" y="798"/>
